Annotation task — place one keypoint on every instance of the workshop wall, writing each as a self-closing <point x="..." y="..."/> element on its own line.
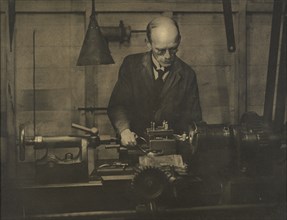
<point x="49" y="34"/>
<point x="50" y="42"/>
<point x="258" y="42"/>
<point x="3" y="90"/>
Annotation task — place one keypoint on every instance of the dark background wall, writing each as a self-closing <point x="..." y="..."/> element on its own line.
<point x="229" y="83"/>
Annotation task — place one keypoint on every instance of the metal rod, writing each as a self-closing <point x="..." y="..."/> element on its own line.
<point x="11" y="18"/>
<point x="1" y="115"/>
<point x="34" y="82"/>
<point x="281" y="86"/>
<point x="159" y="212"/>
<point x="227" y="12"/>
<point x="80" y="127"/>
<point x="55" y="142"/>
<point x="92" y="109"/>
<point x="84" y="214"/>
<point x="138" y="31"/>
<point x="272" y="62"/>
<point x="241" y="75"/>
<point x="93" y="7"/>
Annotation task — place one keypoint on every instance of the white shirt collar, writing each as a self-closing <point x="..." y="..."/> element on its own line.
<point x="156" y="63"/>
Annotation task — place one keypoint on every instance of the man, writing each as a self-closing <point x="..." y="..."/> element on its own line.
<point x="155" y="86"/>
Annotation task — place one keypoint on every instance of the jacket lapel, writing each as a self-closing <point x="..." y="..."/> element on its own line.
<point x="172" y="79"/>
<point x="148" y="77"/>
<point x="147" y="72"/>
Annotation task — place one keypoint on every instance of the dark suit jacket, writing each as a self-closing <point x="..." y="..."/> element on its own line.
<point x="132" y="101"/>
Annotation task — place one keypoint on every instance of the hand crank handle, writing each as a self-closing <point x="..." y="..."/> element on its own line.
<point x="93" y="131"/>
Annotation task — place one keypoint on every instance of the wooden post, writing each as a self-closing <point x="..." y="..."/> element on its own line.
<point x="10" y="106"/>
<point x="91" y="93"/>
<point x="90" y="76"/>
<point x="241" y="76"/>
<point x="3" y="81"/>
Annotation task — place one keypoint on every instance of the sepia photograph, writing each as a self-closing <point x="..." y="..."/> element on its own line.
<point x="143" y="109"/>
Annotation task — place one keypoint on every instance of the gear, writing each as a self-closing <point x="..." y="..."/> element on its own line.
<point x="150" y="182"/>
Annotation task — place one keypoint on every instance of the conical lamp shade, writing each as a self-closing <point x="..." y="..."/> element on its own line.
<point x="95" y="48"/>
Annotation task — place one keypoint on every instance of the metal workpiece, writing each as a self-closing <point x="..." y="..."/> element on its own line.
<point x="206" y="136"/>
<point x="55" y="142"/>
<point x="256" y="133"/>
<point x="252" y="132"/>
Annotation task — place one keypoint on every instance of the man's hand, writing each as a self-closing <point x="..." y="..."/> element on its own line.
<point x="128" y="138"/>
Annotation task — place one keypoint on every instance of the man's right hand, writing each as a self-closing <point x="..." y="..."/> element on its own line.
<point x="128" y="138"/>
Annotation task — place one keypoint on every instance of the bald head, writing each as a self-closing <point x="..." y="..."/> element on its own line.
<point x="163" y="38"/>
<point x="163" y="28"/>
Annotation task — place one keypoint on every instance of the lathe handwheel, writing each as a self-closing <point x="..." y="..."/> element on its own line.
<point x="149" y="183"/>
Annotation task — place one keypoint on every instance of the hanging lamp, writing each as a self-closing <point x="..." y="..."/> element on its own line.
<point x="95" y="48"/>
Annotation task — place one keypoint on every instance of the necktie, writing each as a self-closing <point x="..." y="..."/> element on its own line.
<point x="158" y="85"/>
<point x="159" y="80"/>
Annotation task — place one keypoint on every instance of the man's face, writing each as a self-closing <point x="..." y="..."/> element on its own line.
<point x="164" y="46"/>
